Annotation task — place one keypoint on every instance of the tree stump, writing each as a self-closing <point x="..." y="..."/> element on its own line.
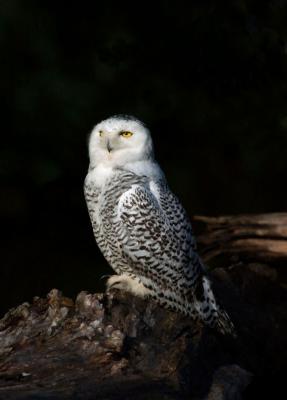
<point x="117" y="346"/>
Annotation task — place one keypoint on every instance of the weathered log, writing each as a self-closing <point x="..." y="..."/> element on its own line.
<point x="255" y="237"/>
<point x="117" y="346"/>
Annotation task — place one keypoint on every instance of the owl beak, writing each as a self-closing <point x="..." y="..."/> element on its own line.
<point x="109" y="147"/>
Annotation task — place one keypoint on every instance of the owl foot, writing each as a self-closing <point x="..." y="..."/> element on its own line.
<point x="128" y="284"/>
<point x="104" y="277"/>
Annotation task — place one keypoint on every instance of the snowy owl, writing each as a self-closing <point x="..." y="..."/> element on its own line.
<point x="141" y="227"/>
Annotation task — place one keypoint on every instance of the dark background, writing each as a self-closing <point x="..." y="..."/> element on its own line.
<point x="208" y="79"/>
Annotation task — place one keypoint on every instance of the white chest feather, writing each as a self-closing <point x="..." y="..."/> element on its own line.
<point x="98" y="176"/>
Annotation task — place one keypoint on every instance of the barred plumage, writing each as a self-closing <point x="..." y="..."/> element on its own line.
<point x="141" y="227"/>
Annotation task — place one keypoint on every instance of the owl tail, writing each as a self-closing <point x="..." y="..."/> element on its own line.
<point x="211" y="313"/>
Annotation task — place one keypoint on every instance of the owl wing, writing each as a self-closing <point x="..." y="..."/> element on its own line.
<point x="158" y="240"/>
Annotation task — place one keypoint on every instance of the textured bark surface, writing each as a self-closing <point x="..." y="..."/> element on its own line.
<point x="121" y="347"/>
<point x="259" y="237"/>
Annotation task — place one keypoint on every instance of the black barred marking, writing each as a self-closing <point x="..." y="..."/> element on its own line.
<point x="199" y="290"/>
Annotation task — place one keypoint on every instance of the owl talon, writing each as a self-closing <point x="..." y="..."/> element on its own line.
<point x="104" y="277"/>
<point x="113" y="282"/>
<point x="128" y="284"/>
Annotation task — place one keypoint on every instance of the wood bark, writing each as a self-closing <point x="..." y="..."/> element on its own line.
<point x="117" y="346"/>
<point x="259" y="237"/>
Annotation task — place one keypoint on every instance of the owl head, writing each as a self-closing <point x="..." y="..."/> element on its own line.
<point x="119" y="140"/>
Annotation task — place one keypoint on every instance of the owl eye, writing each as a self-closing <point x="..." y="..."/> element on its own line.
<point x="126" y="134"/>
<point x="101" y="133"/>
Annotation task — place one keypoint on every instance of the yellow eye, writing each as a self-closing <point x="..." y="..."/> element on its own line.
<point x="101" y="133"/>
<point x="126" y="134"/>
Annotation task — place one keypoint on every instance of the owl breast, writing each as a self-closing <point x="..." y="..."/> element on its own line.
<point x="103" y="205"/>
